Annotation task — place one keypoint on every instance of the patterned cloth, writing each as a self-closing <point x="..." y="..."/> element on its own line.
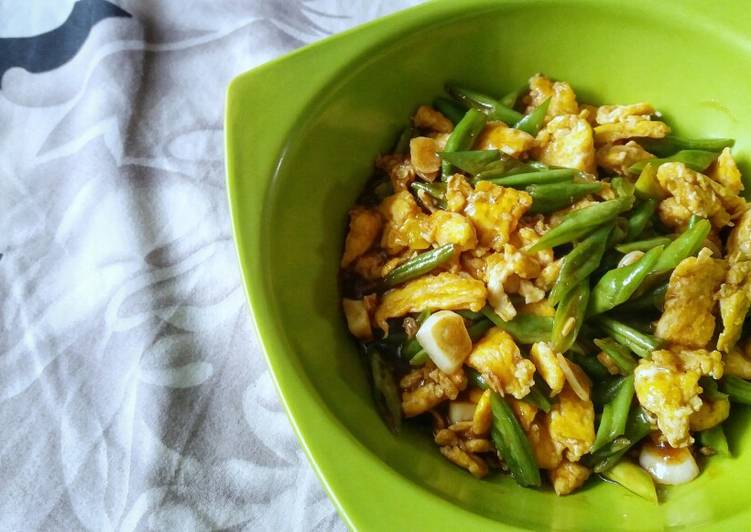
<point x="133" y="391"/>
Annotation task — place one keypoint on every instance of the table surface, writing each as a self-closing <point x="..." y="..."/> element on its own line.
<point x="133" y="390"/>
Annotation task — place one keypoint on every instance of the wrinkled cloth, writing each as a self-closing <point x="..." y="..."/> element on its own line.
<point x="133" y="390"/>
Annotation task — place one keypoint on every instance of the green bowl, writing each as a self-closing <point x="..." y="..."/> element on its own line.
<point x="302" y="133"/>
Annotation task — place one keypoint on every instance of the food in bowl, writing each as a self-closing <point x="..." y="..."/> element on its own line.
<point x="556" y="286"/>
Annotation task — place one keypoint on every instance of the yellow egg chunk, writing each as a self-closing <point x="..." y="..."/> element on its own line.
<point x="423" y="153"/>
<point x="445" y="339"/>
<point x="498" y="136"/>
<point x="357" y="317"/>
<point x="495" y="212"/>
<point x="567" y="141"/>
<point x="568" y="476"/>
<point x="364" y="228"/>
<point x="499" y="360"/>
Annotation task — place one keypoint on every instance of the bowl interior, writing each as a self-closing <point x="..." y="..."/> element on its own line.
<point x="611" y="53"/>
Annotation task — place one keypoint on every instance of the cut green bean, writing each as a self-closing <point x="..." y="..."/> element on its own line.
<point x="477" y="330"/>
<point x="697" y="160"/>
<point x="589" y="364"/>
<point x="470" y="314"/>
<point x="715" y="440"/>
<point x="551" y="198"/>
<point x="569" y="317"/>
<point x="581" y="222"/>
<point x="671" y="144"/>
<point x="437" y="191"/>
<point x="638" y="342"/>
<point x="537" y="398"/>
<point x="643" y="245"/>
<point x="450" y="109"/>
<point x="419" y="359"/>
<point x="532" y="122"/>
<point x="510" y="99"/>
<point x="737" y="389"/>
<point x="525" y="328"/>
<point x="653" y="300"/>
<point x="647" y="186"/>
<point x="619" y="354"/>
<point x="686" y="245"/>
<point x="616" y="286"/>
<point x="615" y="414"/>
<point x="580" y="262"/>
<point x="617" y="235"/>
<point x="637" y="428"/>
<point x="420" y="265"/>
<point x="476" y="379"/>
<point x="605" y="389"/>
<point x="512" y="443"/>
<point x="525" y="179"/>
<point x="494" y="109"/>
<point x="472" y="161"/>
<point x="463" y="137"/>
<point x="640" y="218"/>
<point x="386" y="392"/>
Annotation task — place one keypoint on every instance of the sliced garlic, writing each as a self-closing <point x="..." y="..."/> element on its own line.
<point x="461" y="411"/>
<point x="445" y="339"/>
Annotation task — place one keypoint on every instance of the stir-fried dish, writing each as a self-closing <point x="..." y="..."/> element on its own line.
<point x="557" y="287"/>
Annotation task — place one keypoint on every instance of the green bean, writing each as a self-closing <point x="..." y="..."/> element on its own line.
<point x="419" y="359"/>
<point x="509" y="100"/>
<point x="537" y="398"/>
<point x="524" y="179"/>
<point x="686" y="245"/>
<point x="633" y="478"/>
<point x="615" y="414"/>
<point x="640" y="343"/>
<point x="616" y="286"/>
<point x="463" y="137"/>
<point x="650" y="301"/>
<point x="550" y="198"/>
<point x="573" y="306"/>
<point x="383" y="190"/>
<point x="532" y="122"/>
<point x="617" y="235"/>
<point x="437" y="191"/>
<point x="472" y="161"/>
<point x="477" y="330"/>
<point x="410" y="348"/>
<point x="419" y="265"/>
<point x="637" y="427"/>
<point x="697" y="160"/>
<point x="715" y="439"/>
<point x="581" y="222"/>
<point x="589" y="364"/>
<point x="623" y="188"/>
<point x="671" y="144"/>
<point x="605" y="389"/>
<point x="711" y="390"/>
<point x="525" y="328"/>
<point x="450" y="109"/>
<point x="402" y="143"/>
<point x="476" y="379"/>
<point x="386" y="392"/>
<point x="619" y="354"/>
<point x="494" y="109"/>
<point x="640" y="218"/>
<point x="738" y="390"/>
<point x="512" y="443"/>
<point x="695" y="218"/>
<point x="647" y="186"/>
<point x="644" y="245"/>
<point x="470" y="315"/>
<point x="580" y="262"/>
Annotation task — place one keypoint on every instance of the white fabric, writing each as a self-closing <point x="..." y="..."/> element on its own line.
<point x="133" y="391"/>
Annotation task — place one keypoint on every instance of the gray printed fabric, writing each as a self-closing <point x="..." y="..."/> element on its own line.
<point x="133" y="390"/>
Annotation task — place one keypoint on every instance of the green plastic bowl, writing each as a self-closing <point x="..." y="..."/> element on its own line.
<point x="302" y="133"/>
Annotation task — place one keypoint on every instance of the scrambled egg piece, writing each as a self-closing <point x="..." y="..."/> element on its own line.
<point x="525" y="413"/>
<point x="423" y="154"/>
<point x="482" y="419"/>
<point x="694" y="191"/>
<point x="618" y="158"/>
<point x="738" y="362"/>
<point x="499" y="136"/>
<point x="457" y="193"/>
<point x="739" y="241"/>
<point x="503" y="274"/>
<point x="567" y="141"/>
<point x="358" y="320"/>
<point x="567" y="477"/>
<point x="446" y="291"/>
<point x="431" y="119"/>
<point x="726" y="172"/>
<point x="399" y="169"/>
<point x="364" y="228"/>
<point x="369" y="266"/>
<point x="631" y="127"/>
<point x="673" y="214"/>
<point x="711" y="414"/>
<point x="495" y="212"/>
<point x="613" y="114"/>
<point x="406" y="224"/>
<point x="670" y="392"/>
<point x="562" y="96"/>
<point x="545" y="451"/>
<point x="452" y="228"/>
<point x="687" y="315"/>
<point x="499" y="360"/>
<point x="735" y="300"/>
<point x="424" y="388"/>
<point x="466" y="460"/>
<point x="572" y="424"/>
<point x="546" y="362"/>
